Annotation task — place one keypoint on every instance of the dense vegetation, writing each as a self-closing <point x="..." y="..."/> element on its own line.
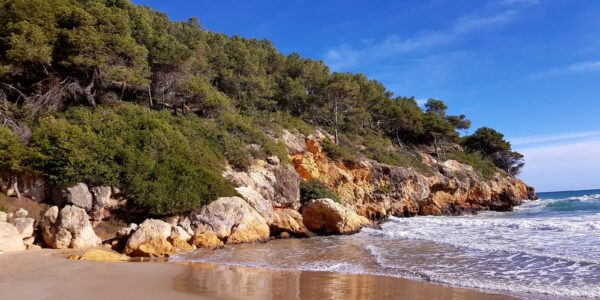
<point x="197" y="99"/>
<point x="315" y="189"/>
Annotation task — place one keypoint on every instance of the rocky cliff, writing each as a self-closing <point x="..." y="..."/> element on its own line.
<point x="268" y="205"/>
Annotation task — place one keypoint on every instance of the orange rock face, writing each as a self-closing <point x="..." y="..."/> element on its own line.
<point x="375" y="190"/>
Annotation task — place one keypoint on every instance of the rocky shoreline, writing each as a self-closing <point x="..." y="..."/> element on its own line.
<point x="268" y="205"/>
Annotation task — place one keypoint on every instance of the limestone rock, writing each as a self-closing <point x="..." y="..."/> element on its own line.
<point x="28" y="242"/>
<point x="324" y="216"/>
<point x="180" y="245"/>
<point x="207" y="240"/>
<point x="177" y="232"/>
<point x="21" y="213"/>
<point x="10" y="239"/>
<point x="102" y="196"/>
<point x="150" y="239"/>
<point x="78" y="195"/>
<point x="77" y="222"/>
<point x="3" y="217"/>
<point x="287" y="221"/>
<point x="69" y="228"/>
<point x="101" y="255"/>
<point x="279" y="184"/>
<point x="125" y="232"/>
<point x="233" y="220"/>
<point x="25" y="226"/>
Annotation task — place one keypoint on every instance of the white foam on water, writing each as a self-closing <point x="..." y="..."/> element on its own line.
<point x="533" y="251"/>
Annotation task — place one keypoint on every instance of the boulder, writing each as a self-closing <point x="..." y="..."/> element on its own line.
<point x="100" y="255"/>
<point x="287" y="221"/>
<point x="25" y="226"/>
<point x="177" y="232"/>
<point x="69" y="228"/>
<point x="3" y="217"/>
<point x="325" y="216"/>
<point x="125" y="232"/>
<point x="180" y="245"/>
<point x="21" y="213"/>
<point x="207" y="240"/>
<point x="78" y="195"/>
<point x="150" y="240"/>
<point x="102" y="196"/>
<point x="77" y="222"/>
<point x="232" y="219"/>
<point x="10" y="239"/>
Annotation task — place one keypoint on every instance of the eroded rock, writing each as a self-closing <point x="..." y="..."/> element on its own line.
<point x="10" y="239"/>
<point x="325" y="216"/>
<point x="150" y="240"/>
<point x="233" y="220"/>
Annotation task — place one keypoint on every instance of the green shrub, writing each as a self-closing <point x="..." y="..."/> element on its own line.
<point x="336" y="152"/>
<point x="3" y="209"/>
<point x="276" y="122"/>
<point x="241" y="127"/>
<point x="382" y="150"/>
<point x="483" y="166"/>
<point x="315" y="189"/>
<point x="163" y="163"/>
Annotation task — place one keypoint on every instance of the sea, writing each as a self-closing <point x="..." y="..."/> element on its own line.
<point x="544" y="249"/>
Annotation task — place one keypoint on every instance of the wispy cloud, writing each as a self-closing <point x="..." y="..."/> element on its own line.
<point x="570" y="166"/>
<point x="555" y="138"/>
<point x="576" y="68"/>
<point x="346" y="55"/>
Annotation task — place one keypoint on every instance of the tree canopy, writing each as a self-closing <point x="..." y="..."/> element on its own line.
<point x="59" y="56"/>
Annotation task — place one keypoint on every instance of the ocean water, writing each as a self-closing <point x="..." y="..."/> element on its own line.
<point x="548" y="248"/>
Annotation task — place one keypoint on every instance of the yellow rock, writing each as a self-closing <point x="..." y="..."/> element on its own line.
<point x="207" y="240"/>
<point x="101" y="255"/>
<point x="181" y="245"/>
<point x="155" y="247"/>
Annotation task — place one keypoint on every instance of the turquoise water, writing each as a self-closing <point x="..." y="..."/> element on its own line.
<point x="548" y="248"/>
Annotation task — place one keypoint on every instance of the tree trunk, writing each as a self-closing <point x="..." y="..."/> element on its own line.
<point x="335" y="125"/>
<point x="437" y="151"/>
<point x="15" y="182"/>
<point x="150" y="95"/>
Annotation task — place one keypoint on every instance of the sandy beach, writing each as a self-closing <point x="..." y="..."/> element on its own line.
<point x="47" y="274"/>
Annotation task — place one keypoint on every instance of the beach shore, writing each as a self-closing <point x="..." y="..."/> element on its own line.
<point x="47" y="274"/>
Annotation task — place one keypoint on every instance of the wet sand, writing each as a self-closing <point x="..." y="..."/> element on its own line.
<point x="47" y="274"/>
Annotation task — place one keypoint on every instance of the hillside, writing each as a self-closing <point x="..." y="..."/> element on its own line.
<point x="169" y="119"/>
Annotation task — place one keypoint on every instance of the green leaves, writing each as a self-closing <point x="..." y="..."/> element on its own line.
<point x="163" y="163"/>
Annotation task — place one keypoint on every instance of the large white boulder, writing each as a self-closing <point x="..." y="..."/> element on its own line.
<point x="10" y="239"/>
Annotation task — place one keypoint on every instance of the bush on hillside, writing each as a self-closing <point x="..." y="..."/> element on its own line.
<point x="315" y="189"/>
<point x="483" y="166"/>
<point x="162" y="163"/>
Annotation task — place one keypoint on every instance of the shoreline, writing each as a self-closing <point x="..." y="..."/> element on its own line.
<point x="47" y="274"/>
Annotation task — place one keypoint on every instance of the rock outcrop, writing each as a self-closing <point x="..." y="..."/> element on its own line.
<point x="10" y="239"/>
<point x="68" y="228"/>
<point x="150" y="240"/>
<point x="232" y="220"/>
<point x="375" y="190"/>
<point x="325" y="216"/>
<point x="78" y="195"/>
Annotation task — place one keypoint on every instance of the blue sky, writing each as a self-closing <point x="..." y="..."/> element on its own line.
<point x="529" y="68"/>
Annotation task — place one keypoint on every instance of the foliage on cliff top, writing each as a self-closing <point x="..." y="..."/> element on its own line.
<point x="315" y="189"/>
<point x="484" y="167"/>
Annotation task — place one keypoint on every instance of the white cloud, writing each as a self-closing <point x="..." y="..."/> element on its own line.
<point x="345" y="55"/>
<point x="540" y="139"/>
<point x="570" y="166"/>
<point x="588" y="66"/>
<point x="581" y="67"/>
